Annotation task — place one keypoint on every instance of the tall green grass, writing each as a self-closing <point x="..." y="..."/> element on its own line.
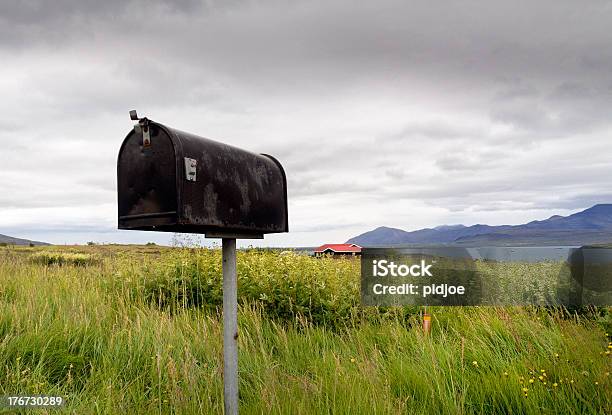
<point x="137" y="332"/>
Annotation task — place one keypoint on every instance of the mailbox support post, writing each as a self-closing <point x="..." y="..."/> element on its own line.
<point x="230" y="327"/>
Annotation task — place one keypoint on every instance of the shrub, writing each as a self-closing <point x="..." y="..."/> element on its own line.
<point x="285" y="287"/>
<point x="63" y="258"/>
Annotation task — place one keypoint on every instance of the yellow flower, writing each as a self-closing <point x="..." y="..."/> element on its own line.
<point x="542" y="370"/>
<point x="505" y="373"/>
<point x="531" y="380"/>
<point x="475" y="363"/>
<point x="572" y="381"/>
<point x="556" y="354"/>
<point x="525" y="390"/>
<point x="352" y="360"/>
<point x="545" y="383"/>
<point x="555" y="384"/>
<point x="541" y="377"/>
<point x="596" y="383"/>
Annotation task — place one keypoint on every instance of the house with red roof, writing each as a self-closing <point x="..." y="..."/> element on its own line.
<point x="338" y="249"/>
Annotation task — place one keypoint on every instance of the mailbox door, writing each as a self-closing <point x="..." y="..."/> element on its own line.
<point x="146" y="180"/>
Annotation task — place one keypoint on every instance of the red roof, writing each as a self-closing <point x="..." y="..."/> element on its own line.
<point x="338" y="248"/>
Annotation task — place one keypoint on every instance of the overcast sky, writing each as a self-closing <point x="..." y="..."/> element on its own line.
<point x="395" y="113"/>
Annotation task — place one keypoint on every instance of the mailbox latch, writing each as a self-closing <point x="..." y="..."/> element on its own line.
<point x="191" y="166"/>
<point x="142" y="127"/>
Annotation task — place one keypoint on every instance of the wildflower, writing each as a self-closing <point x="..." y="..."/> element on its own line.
<point x="607" y="373"/>
<point x="505" y="373"/>
<point x="352" y="360"/>
<point x="531" y="380"/>
<point x="541" y="377"/>
<point x="544" y="383"/>
<point x="572" y="381"/>
<point x="607" y="352"/>
<point x="557" y="355"/>
<point x="525" y="390"/>
<point x="543" y="370"/>
<point x="475" y="363"/>
<point x="555" y="384"/>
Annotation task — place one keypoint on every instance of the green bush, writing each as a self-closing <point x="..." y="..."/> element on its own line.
<point x="321" y="291"/>
<point x="285" y="287"/>
<point x="63" y="258"/>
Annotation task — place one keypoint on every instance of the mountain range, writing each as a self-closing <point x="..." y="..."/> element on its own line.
<point x="590" y="226"/>
<point x="9" y="240"/>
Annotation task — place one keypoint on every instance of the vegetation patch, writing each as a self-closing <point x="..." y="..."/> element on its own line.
<point x="64" y="258"/>
<point x="141" y="333"/>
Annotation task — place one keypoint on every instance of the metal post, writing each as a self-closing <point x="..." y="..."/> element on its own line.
<point x="230" y="327"/>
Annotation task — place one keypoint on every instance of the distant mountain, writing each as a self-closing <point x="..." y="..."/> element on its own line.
<point x="591" y="226"/>
<point x="9" y="240"/>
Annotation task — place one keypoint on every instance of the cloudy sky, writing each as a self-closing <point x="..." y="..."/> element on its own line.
<point x="404" y="114"/>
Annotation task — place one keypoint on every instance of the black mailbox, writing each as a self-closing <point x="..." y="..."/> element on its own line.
<point x="172" y="181"/>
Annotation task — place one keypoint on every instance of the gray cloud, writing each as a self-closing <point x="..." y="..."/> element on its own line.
<point x="400" y="113"/>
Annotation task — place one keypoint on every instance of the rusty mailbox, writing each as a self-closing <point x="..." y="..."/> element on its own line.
<point x="173" y="181"/>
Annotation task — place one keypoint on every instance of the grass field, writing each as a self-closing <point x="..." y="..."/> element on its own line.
<point x="137" y="330"/>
